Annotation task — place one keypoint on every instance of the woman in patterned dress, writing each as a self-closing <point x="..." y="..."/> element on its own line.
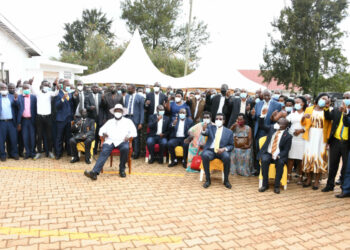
<point x="242" y="158"/>
<point x="317" y="130"/>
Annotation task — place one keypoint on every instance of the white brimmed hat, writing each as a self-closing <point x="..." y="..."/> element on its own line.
<point x="117" y="106"/>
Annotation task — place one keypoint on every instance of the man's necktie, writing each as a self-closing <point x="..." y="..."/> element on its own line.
<point x="96" y="103"/>
<point x="130" y="104"/>
<point x="217" y="139"/>
<point x="275" y="141"/>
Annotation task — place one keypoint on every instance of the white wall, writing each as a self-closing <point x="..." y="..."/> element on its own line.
<point x="13" y="55"/>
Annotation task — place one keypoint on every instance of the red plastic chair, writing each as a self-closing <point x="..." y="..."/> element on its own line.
<point x="116" y="152"/>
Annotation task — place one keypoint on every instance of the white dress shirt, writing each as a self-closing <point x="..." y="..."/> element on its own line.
<point x="266" y="105"/>
<point x="132" y="104"/>
<point x="156" y="102"/>
<point x="196" y="110"/>
<point x="95" y="96"/>
<point x="181" y="129"/>
<point x="118" y="130"/>
<point x="269" y="149"/>
<point x="43" y="104"/>
<point x="81" y="103"/>
<point x="243" y="106"/>
<point x="160" y="126"/>
<point x="221" y="105"/>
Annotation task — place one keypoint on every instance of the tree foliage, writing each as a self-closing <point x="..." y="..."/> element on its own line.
<point x="308" y="52"/>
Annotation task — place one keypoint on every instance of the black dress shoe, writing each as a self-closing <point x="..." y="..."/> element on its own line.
<point x="306" y="185"/>
<point x="16" y="158"/>
<point x="263" y="189"/>
<point x="338" y="182"/>
<point x="276" y="190"/>
<point x="314" y="188"/>
<point x="122" y="174"/>
<point x="327" y="189"/>
<point x="26" y="157"/>
<point x="151" y="161"/>
<point x="74" y="160"/>
<point x="227" y="184"/>
<point x="91" y="175"/>
<point x="3" y="158"/>
<point x="87" y="161"/>
<point x="172" y="164"/>
<point x="342" y="195"/>
<point x="184" y="164"/>
<point x="160" y="161"/>
<point x="206" y="184"/>
<point x="57" y="157"/>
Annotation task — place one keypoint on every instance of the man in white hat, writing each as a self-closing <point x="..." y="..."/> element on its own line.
<point x="116" y="132"/>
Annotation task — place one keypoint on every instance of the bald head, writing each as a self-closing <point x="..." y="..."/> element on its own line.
<point x="283" y="122"/>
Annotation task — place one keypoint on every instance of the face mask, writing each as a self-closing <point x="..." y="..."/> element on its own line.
<point x="46" y="89"/>
<point x="206" y="121"/>
<point x="68" y="89"/>
<point x="119" y="92"/>
<point x="243" y="95"/>
<point x="4" y="92"/>
<point x="80" y="88"/>
<point x="182" y="116"/>
<point x="257" y="100"/>
<point x="161" y="113"/>
<point x="297" y="106"/>
<point x="276" y="126"/>
<point x="347" y="102"/>
<point x="148" y="90"/>
<point x="276" y="96"/>
<point x="197" y="96"/>
<point x="282" y="104"/>
<point x="289" y="109"/>
<point x="177" y="99"/>
<point x="218" y="123"/>
<point x="118" y="115"/>
<point x="26" y="92"/>
<point x="321" y="103"/>
<point x="241" y="123"/>
<point x="156" y="89"/>
<point x="211" y="97"/>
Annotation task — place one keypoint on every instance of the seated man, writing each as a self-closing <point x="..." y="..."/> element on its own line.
<point x="159" y="129"/>
<point x="178" y="133"/>
<point x="83" y="130"/>
<point x="275" y="150"/>
<point x="219" y="145"/>
<point x="116" y="132"/>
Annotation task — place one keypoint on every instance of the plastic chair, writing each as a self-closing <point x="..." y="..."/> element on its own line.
<point x="179" y="153"/>
<point x="272" y="169"/>
<point x="215" y="164"/>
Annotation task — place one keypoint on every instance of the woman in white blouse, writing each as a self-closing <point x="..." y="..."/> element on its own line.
<point x="296" y="130"/>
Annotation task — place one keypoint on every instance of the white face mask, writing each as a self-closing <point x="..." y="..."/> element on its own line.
<point x="197" y="96"/>
<point x="206" y="121"/>
<point x="156" y="89"/>
<point x="80" y="88"/>
<point x="218" y="123"/>
<point x="177" y="99"/>
<point x="4" y="92"/>
<point x="118" y="115"/>
<point x="276" y="126"/>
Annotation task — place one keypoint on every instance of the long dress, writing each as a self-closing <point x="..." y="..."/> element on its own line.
<point x="298" y="143"/>
<point x="193" y="149"/>
<point x="241" y="159"/>
<point x="315" y="158"/>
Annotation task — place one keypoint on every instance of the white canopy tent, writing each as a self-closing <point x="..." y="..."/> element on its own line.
<point x="134" y="66"/>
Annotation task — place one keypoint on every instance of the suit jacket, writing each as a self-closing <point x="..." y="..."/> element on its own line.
<point x="33" y="108"/>
<point x="235" y="105"/>
<point x="86" y="128"/>
<point x="109" y="102"/>
<point x="151" y="96"/>
<point x="173" y="129"/>
<point x="214" y="105"/>
<point x="346" y="120"/>
<point x="92" y="112"/>
<point x="77" y="100"/>
<point x="153" y="125"/>
<point x="226" y="137"/>
<point x="65" y="109"/>
<point x="139" y="111"/>
<point x="335" y="116"/>
<point x="201" y="107"/>
<point x="284" y="145"/>
<point x="267" y="121"/>
<point x="14" y="108"/>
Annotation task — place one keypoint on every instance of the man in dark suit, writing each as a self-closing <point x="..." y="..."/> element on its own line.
<point x="197" y="106"/>
<point x="219" y="145"/>
<point x="109" y="100"/>
<point x="79" y="101"/>
<point x="83" y="129"/>
<point x="26" y="120"/>
<point x="64" y="115"/>
<point x="153" y="99"/>
<point x="8" y="122"/>
<point x="95" y="112"/>
<point x="338" y="142"/>
<point x="134" y="105"/>
<point x="178" y="133"/>
<point x="275" y="150"/>
<point x="240" y="105"/>
<point x="158" y="125"/>
<point x="219" y="103"/>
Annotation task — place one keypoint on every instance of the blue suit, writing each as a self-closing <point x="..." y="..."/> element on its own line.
<point x="209" y="154"/>
<point x="28" y="124"/>
<point x="346" y="183"/>
<point x="153" y="138"/>
<point x="179" y="141"/>
<point x="64" y="116"/>
<point x="137" y="117"/>
<point x="8" y="129"/>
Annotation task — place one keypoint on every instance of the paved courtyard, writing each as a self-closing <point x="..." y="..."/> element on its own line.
<point x="49" y="204"/>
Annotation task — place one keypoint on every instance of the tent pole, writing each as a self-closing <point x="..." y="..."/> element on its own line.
<point x="188" y="38"/>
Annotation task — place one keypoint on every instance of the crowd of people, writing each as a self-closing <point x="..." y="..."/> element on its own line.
<point x="310" y="136"/>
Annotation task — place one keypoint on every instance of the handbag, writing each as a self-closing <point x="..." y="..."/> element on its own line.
<point x="240" y="142"/>
<point x="196" y="162"/>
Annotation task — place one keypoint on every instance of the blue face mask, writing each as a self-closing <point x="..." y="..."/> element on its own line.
<point x="26" y="92"/>
<point x="321" y="103"/>
<point x="289" y="109"/>
<point x="161" y="113"/>
<point x="347" y="102"/>
<point x="148" y="90"/>
<point x="297" y="106"/>
<point x="46" y="89"/>
<point x="243" y="95"/>
<point x="119" y="92"/>
<point x="68" y="89"/>
<point x="275" y="97"/>
<point x="257" y="100"/>
<point x="182" y="116"/>
<point x="282" y="104"/>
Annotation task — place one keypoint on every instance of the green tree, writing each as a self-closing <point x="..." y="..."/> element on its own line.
<point x="92" y="21"/>
<point x="156" y="21"/>
<point x="308" y="51"/>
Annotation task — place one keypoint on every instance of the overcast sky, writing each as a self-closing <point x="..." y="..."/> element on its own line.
<point x="238" y="29"/>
